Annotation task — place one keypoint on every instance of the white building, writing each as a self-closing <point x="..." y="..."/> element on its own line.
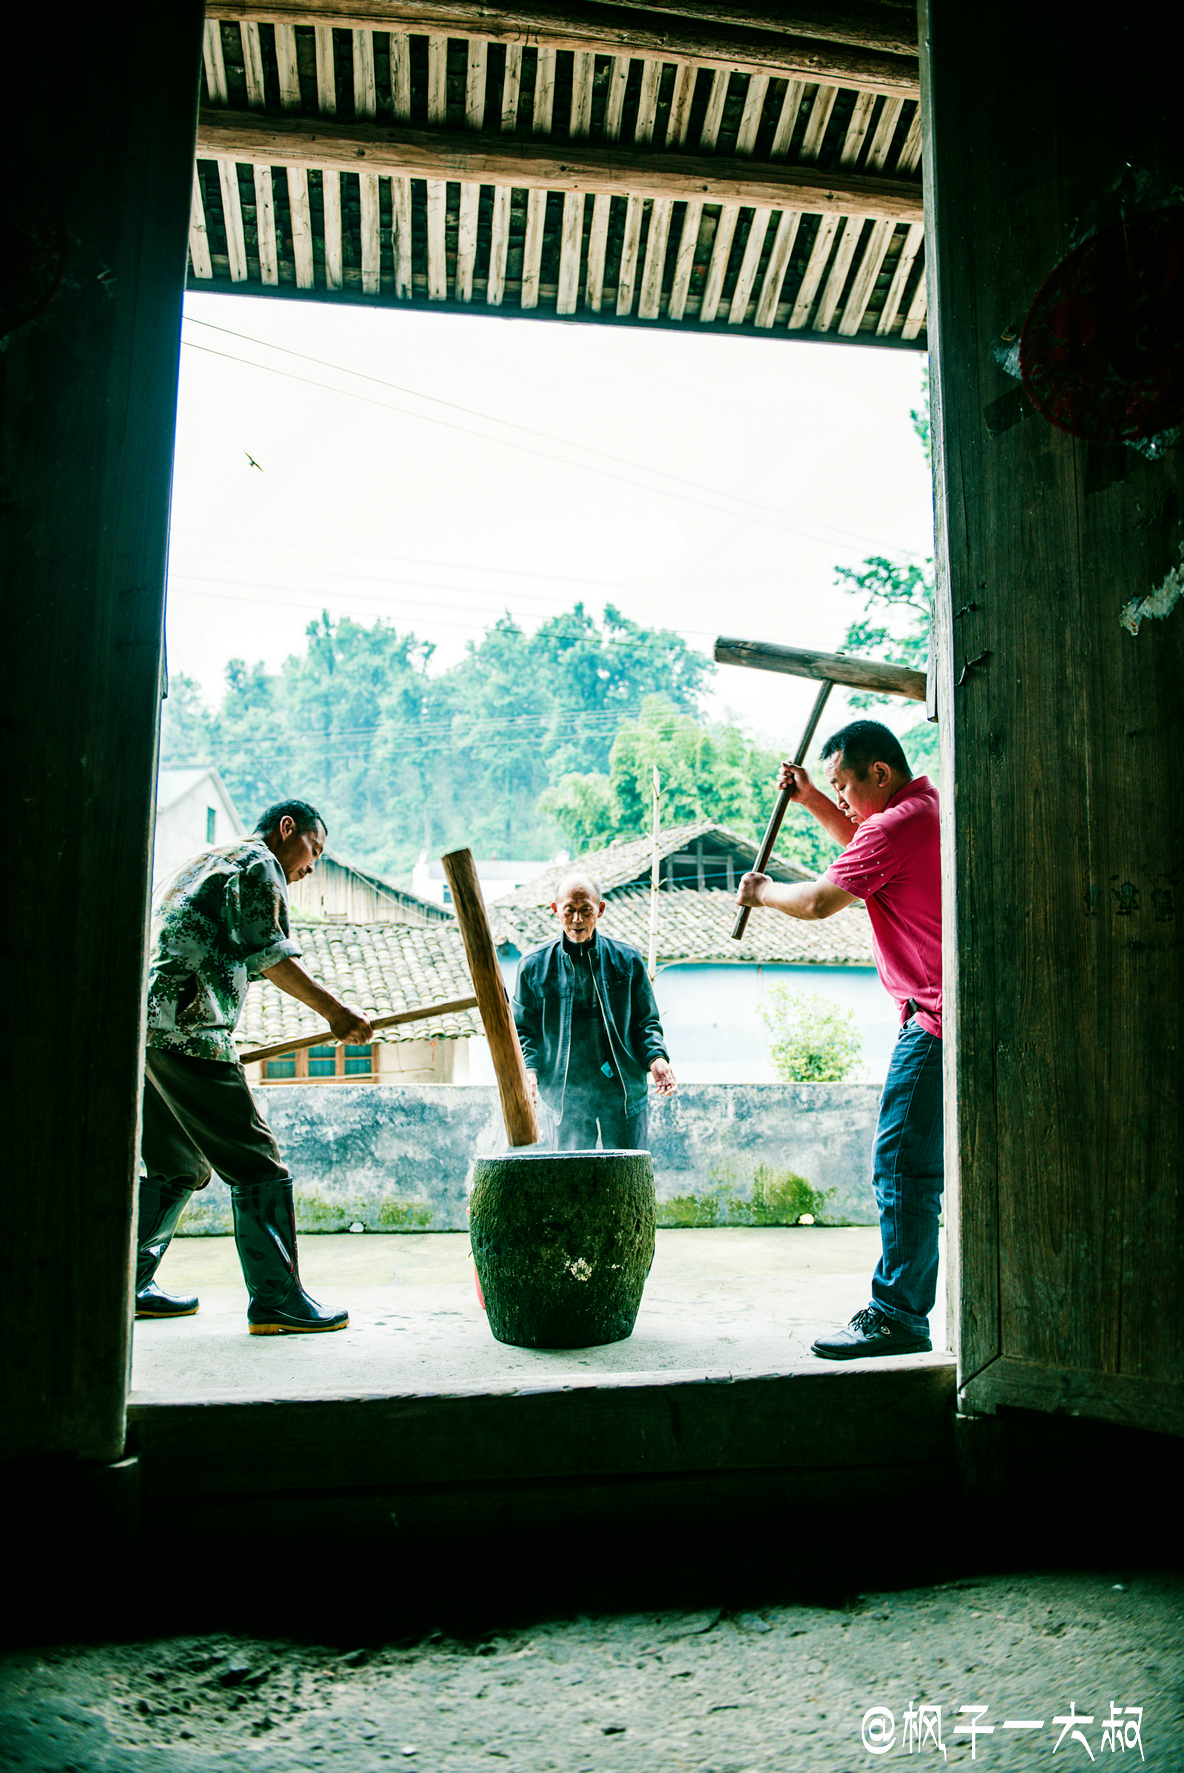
<point x="498" y="879"/>
<point x="194" y="812"/>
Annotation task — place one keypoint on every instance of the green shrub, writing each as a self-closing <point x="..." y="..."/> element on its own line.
<point x="815" y="1040"/>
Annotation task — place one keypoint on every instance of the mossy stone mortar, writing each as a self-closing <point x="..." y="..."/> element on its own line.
<point x="563" y="1242"/>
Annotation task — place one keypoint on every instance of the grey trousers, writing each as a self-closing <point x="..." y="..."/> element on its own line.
<point x="200" y="1116"/>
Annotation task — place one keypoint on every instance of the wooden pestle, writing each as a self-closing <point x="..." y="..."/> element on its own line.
<point x="522" y="1127"/>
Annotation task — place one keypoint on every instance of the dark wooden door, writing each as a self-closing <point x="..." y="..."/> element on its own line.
<point x="1061" y="726"/>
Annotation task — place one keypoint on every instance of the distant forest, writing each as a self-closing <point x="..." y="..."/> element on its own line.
<point x="531" y="743"/>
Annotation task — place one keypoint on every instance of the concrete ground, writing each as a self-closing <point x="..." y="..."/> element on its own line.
<point x="768" y="1689"/>
<point x="730" y="1300"/>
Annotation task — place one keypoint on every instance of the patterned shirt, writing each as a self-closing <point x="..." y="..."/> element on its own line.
<point x="220" y="922"/>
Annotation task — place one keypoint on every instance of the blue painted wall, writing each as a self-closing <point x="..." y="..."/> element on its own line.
<point x="714" y="1031"/>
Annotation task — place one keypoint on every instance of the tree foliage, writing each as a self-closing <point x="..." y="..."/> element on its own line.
<point x="815" y="1040"/>
<point x="705" y="771"/>
<point x="402" y="757"/>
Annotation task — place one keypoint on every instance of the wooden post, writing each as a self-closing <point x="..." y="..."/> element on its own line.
<point x="522" y="1128"/>
<point x="655" y="878"/>
<point x="88" y="386"/>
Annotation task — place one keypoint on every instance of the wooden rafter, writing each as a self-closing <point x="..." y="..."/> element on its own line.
<point x="606" y="30"/>
<point x="543" y="165"/>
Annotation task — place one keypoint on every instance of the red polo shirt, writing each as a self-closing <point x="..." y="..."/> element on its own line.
<point x="893" y="863"/>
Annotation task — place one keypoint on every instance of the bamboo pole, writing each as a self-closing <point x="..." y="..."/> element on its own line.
<point x="325" y="1036"/>
<point x="522" y="1127"/>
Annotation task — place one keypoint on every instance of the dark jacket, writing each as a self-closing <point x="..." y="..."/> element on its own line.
<point x="542" y="1013"/>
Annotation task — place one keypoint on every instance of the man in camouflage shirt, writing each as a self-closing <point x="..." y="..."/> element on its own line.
<point x="222" y="921"/>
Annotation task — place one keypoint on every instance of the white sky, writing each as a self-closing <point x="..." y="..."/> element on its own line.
<point x="803" y="456"/>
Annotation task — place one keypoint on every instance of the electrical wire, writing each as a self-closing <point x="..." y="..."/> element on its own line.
<point x="770" y="515"/>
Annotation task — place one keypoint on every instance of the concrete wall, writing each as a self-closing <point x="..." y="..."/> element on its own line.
<point x="397" y="1157"/>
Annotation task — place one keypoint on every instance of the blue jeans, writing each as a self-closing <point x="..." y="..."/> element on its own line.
<point x="907" y="1175"/>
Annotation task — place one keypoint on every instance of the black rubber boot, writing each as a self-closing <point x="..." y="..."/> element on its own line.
<point x="265" y="1232"/>
<point x="161" y="1206"/>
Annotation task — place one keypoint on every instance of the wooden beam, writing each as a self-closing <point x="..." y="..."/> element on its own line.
<point x="326" y="1037"/>
<point x="544" y="165"/>
<point x="795" y="661"/>
<point x="607" y="30"/>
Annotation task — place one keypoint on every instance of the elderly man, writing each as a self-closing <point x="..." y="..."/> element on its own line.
<point x="891" y="862"/>
<point x="222" y="921"/>
<point x="589" y="1028"/>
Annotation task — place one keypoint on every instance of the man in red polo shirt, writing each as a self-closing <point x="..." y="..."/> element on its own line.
<point x="891" y="861"/>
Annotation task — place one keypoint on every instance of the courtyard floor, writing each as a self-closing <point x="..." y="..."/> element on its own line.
<point x="768" y="1689"/>
<point x="732" y="1300"/>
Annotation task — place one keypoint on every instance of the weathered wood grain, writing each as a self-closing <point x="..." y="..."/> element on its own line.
<point x="1065" y="959"/>
<point x="863" y="674"/>
<point x="544" y="165"/>
<point x="88" y="397"/>
<point x="1113" y="1397"/>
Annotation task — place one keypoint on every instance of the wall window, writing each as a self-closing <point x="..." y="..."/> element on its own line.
<point x="328" y="1064"/>
<point x="211" y="824"/>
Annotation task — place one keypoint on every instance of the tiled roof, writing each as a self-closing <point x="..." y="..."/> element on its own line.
<point x="697" y="926"/>
<point x="625" y="860"/>
<point x="382" y="967"/>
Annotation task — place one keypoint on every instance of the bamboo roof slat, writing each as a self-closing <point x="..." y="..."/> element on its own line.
<point x="791" y="104"/>
<point x="253" y="66"/>
<point x="301" y="217"/>
<point x="288" y="66"/>
<point x="783" y="241"/>
<point x="232" y="211"/>
<point x="681" y="100"/>
<point x="370" y="224"/>
<point x="499" y="240"/>
<point x="713" y="116"/>
<point x="915" y="319"/>
<point x="749" y="190"/>
<point x="532" y="248"/>
<point x="750" y="119"/>
<point x="199" y="239"/>
<point x="214" y="63"/>
<point x="749" y="266"/>
<point x="582" y="81"/>
<point x="630" y="243"/>
<point x="400" y="54"/>
<point x="649" y="304"/>
<point x="900" y="277"/>
<point x="269" y="265"/>
<point x="511" y="85"/>
<point x="597" y="245"/>
<point x="721" y="249"/>
<point x="685" y="262"/>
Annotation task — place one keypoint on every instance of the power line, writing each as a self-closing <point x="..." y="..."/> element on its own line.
<point x="771" y="515"/>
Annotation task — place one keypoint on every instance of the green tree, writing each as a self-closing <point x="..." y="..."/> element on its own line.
<point x="897" y="615"/>
<point x="706" y="772"/>
<point x="814" y="1039"/>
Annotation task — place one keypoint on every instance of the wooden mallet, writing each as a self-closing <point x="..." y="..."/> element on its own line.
<point x="782" y="804"/>
<point x="522" y="1127"/>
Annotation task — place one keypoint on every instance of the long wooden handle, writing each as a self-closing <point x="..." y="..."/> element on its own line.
<point x="781" y="806"/>
<point x="522" y="1128"/>
<point x="861" y="674"/>
<point x="325" y="1035"/>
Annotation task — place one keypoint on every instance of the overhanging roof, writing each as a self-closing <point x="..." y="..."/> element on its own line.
<point x="690" y="165"/>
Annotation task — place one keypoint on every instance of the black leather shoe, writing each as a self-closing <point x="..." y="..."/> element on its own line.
<point x="265" y="1233"/>
<point x="153" y="1303"/>
<point x="869" y="1333"/>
